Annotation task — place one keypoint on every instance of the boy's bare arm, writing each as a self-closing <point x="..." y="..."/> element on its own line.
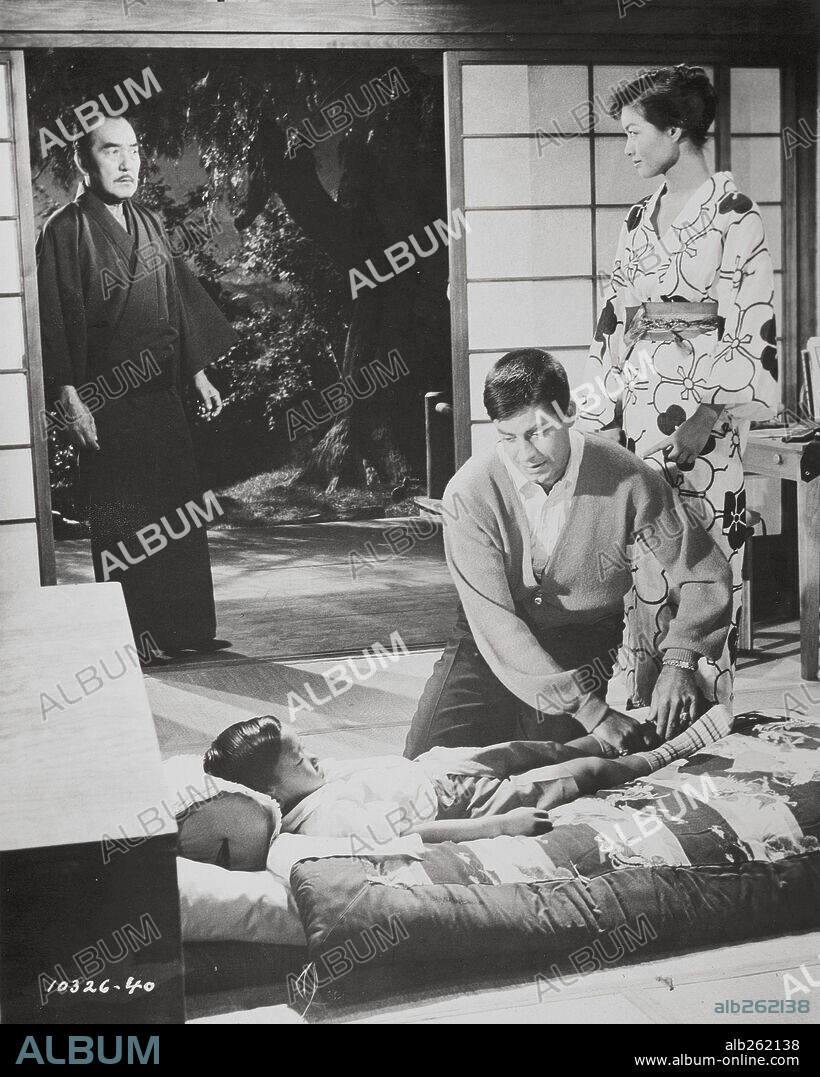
<point x="527" y="822"/>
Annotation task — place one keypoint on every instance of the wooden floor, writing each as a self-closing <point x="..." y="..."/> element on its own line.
<point x="674" y="989"/>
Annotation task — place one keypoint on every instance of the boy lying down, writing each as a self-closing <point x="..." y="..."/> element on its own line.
<point x="446" y="794"/>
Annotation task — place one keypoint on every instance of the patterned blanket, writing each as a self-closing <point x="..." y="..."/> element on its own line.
<point x="724" y="845"/>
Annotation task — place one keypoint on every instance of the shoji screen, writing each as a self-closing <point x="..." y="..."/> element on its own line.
<point x="26" y="547"/>
<point x="757" y="161"/>
<point x="539" y="170"/>
<point x="528" y="272"/>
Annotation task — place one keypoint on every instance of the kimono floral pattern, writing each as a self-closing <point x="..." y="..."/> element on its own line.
<point x="714" y="251"/>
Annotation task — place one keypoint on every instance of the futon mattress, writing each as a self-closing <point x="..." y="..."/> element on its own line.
<point x="722" y="846"/>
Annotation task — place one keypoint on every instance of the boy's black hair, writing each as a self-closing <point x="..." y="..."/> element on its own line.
<point x="247" y="752"/>
<point x="525" y="378"/>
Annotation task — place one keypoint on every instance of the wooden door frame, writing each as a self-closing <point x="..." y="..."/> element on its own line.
<point x="755" y="28"/>
<point x="32" y="361"/>
<point x="549" y="32"/>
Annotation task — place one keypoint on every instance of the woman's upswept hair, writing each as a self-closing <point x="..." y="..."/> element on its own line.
<point x="679" y="96"/>
<point x="247" y="752"/>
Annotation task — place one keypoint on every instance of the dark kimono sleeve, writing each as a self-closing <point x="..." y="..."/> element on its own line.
<point x="63" y="330"/>
<point x="205" y="334"/>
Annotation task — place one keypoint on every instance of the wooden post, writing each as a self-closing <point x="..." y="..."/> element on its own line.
<point x="438" y="426"/>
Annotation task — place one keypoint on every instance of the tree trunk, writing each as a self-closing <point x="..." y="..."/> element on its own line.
<point x="361" y="444"/>
<point x="370" y="439"/>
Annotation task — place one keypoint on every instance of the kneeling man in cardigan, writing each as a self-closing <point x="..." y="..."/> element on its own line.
<point x="541" y="536"/>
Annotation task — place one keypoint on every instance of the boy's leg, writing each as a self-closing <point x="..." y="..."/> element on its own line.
<point x="519" y="756"/>
<point x="709" y="728"/>
<point x="463" y="703"/>
<point x="574" y="777"/>
<point x="594" y="774"/>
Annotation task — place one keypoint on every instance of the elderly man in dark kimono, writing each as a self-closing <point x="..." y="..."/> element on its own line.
<point x="124" y="325"/>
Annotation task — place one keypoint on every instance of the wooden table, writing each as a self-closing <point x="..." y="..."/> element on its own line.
<point x="767" y="454"/>
<point x="79" y="760"/>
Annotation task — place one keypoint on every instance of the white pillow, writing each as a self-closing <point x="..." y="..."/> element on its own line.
<point x="219" y="822"/>
<point x="239" y="906"/>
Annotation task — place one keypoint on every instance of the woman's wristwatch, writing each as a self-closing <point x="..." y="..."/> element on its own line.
<point x="680" y="658"/>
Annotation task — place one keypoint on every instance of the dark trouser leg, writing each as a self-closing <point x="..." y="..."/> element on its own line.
<point x="591" y="650"/>
<point x="464" y="703"/>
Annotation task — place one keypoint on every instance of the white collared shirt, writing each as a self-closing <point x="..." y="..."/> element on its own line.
<point x="546" y="512"/>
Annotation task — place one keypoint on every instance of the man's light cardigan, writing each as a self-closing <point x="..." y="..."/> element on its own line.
<point x="620" y="506"/>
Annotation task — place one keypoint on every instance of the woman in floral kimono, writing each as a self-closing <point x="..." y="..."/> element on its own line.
<point x="686" y="344"/>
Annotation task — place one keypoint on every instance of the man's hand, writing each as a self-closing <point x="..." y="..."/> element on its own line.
<point x="524" y="822"/>
<point x="673" y="701"/>
<point x="625" y="734"/>
<point x="82" y="430"/>
<point x="210" y="400"/>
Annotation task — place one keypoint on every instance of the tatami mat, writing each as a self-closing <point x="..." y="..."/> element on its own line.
<point x="192" y="703"/>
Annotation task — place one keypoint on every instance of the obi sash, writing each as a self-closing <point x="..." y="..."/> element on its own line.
<point x="672" y="321"/>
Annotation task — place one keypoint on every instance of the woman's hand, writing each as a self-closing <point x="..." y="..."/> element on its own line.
<point x="689" y="440"/>
<point x="524" y="822"/>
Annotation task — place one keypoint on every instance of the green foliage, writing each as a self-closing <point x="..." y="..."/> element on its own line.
<point x="289" y="349"/>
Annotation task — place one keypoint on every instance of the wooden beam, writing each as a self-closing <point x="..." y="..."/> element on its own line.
<point x="742" y="50"/>
<point x="402" y="23"/>
<point x="33" y="353"/>
<point x="804" y="171"/>
<point x="458" y="262"/>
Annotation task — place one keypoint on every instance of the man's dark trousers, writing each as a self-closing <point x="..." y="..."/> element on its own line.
<point x="464" y="703"/>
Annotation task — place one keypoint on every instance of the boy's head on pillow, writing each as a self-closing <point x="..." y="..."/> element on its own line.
<point x="266" y="756"/>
